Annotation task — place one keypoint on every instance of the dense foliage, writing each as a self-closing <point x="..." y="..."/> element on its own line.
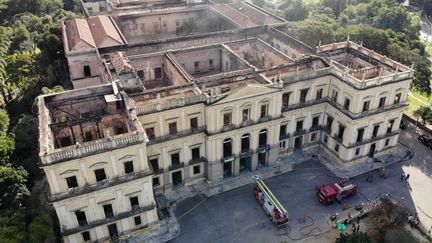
<point x="384" y="26"/>
<point x="31" y="63"/>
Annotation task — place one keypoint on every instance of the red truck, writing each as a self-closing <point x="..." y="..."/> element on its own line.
<point x="328" y="194"/>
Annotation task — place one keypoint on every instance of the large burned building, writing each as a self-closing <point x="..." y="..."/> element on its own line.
<point x="170" y="96"/>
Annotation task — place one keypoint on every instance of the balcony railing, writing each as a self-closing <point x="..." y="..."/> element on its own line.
<point x="228" y="158"/>
<point x="176" y="135"/>
<point x="197" y="161"/>
<point x="348" y="113"/>
<point x="93" y="147"/>
<point x="98" y="186"/>
<point x="246" y="153"/>
<point x="165" y="105"/>
<point x="65" y="231"/>
<point x="240" y="125"/>
<point x="299" y="132"/>
<point x="284" y="136"/>
<point x="176" y="166"/>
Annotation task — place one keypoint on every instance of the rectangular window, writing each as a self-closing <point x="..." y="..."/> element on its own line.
<point x="71" y="182"/>
<point x="154" y="164"/>
<point x="88" y="136"/>
<point x="334" y="95"/>
<point x="319" y="94"/>
<point x="108" y="210"/>
<point x="196" y="169"/>
<point x="337" y="147"/>
<point x="150" y="133"/>
<point x="100" y="174"/>
<point x="325" y="139"/>
<point x="227" y="119"/>
<point x="87" y="71"/>
<point x="283" y="131"/>
<point x="211" y="66"/>
<point x="313" y="137"/>
<point x="387" y="141"/>
<point x="195" y="153"/>
<point x="381" y="102"/>
<point x="81" y="218"/>
<point x="175" y="159"/>
<point x="172" y="127"/>
<point x="128" y="166"/>
<point x="329" y="122"/>
<point x="156" y="181"/>
<point x="366" y="105"/>
<point x="282" y="145"/>
<point x="341" y="131"/>
<point x="245" y="143"/>
<point x="137" y="220"/>
<point x="357" y="151"/>
<point x="360" y="133"/>
<point x="375" y="131"/>
<point x="397" y="98"/>
<point x="194" y="123"/>
<point x="264" y="111"/>
<point x="285" y="100"/>
<point x="299" y="126"/>
<point x="303" y="94"/>
<point x="196" y="67"/>
<point x="245" y="114"/>
<point x="134" y="202"/>
<point x="86" y="236"/>
<point x="347" y="103"/>
<point x="390" y="126"/>
<point x="315" y="121"/>
<point x="158" y="73"/>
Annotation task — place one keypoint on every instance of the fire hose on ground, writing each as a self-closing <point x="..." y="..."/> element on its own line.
<point x="285" y="230"/>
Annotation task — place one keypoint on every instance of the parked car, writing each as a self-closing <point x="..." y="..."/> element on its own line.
<point x="426" y="140"/>
<point x="403" y="124"/>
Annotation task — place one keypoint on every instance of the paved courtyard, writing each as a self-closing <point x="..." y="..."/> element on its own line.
<point x="235" y="216"/>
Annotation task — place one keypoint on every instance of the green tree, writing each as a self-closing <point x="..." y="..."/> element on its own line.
<point x="13" y="227"/>
<point x="4" y="48"/>
<point x="424" y="113"/>
<point x="40" y="228"/>
<point x="294" y="10"/>
<point x="13" y="188"/>
<point x="354" y="238"/>
<point x="7" y="144"/>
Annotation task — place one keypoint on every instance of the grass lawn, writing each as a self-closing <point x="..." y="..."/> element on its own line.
<point x="414" y="102"/>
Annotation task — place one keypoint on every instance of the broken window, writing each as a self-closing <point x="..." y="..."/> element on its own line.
<point x="175" y="159"/>
<point x="194" y="123"/>
<point x="71" y="182"/>
<point x="303" y="94"/>
<point x="158" y="72"/>
<point x="319" y="94"/>
<point x="195" y="153"/>
<point x="108" y="210"/>
<point x="87" y="71"/>
<point x="150" y="133"/>
<point x="134" y="202"/>
<point x="154" y="164"/>
<point x="227" y="119"/>
<point x="211" y="66"/>
<point x="245" y="114"/>
<point x="128" y="166"/>
<point x="172" y="127"/>
<point x="100" y="174"/>
<point x="81" y="218"/>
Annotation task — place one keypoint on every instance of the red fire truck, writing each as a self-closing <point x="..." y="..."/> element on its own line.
<point x="273" y="208"/>
<point x="328" y="194"/>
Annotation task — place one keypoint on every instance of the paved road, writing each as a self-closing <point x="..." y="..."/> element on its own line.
<point x="235" y="216"/>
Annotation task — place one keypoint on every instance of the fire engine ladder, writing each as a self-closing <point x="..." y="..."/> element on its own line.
<point x="270" y="195"/>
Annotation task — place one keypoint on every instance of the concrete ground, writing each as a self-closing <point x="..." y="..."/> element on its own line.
<point x="235" y="216"/>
